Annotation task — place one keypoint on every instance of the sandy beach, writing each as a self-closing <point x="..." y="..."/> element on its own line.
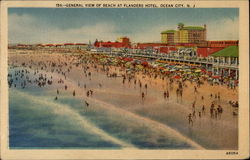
<point x="122" y="112"/>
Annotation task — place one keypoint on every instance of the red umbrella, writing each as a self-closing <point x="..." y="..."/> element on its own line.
<point x="161" y="68"/>
<point x="167" y="72"/>
<point x="177" y="77"/>
<point x="128" y="59"/>
<point x="216" y="77"/>
<point x="209" y="72"/>
<point x="203" y="70"/>
<point x="145" y="63"/>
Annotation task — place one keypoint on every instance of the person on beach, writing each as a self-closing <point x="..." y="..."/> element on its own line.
<point x="195" y="89"/>
<point x="203" y="109"/>
<point x="57" y="91"/>
<point x="190" y="120"/>
<point x="211" y="112"/>
<point x="199" y="114"/>
<point x="87" y="104"/>
<point x="219" y="110"/>
<point x="181" y="92"/>
<point x="194" y="114"/>
<point x="193" y="105"/>
<point x="165" y="94"/>
<point x="65" y="87"/>
<point x="211" y="95"/>
<point x="142" y="95"/>
<point x="177" y="93"/>
<point x="215" y="113"/>
<point x="74" y="93"/>
<point x="219" y="96"/>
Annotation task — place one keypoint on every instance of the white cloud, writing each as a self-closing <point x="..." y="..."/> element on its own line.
<point x="223" y="29"/>
<point x="27" y="29"/>
<point x="151" y="34"/>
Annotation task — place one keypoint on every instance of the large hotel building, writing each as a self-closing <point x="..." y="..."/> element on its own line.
<point x="184" y="34"/>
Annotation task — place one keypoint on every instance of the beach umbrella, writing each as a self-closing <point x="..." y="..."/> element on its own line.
<point x="139" y="66"/>
<point x="203" y="71"/>
<point x="216" y="77"/>
<point x="178" y="66"/>
<point x="165" y="70"/>
<point x="172" y="70"/>
<point x="145" y="63"/>
<point x="209" y="73"/>
<point x="187" y="70"/>
<point x="177" y="77"/>
<point x="128" y="59"/>
<point x="197" y="71"/>
<point x="186" y="67"/>
<point x="128" y="64"/>
<point x="160" y="68"/>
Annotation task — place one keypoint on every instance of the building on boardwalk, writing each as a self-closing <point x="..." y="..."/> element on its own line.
<point x="122" y="42"/>
<point x="226" y="62"/>
<point x="167" y="36"/>
<point x="185" y="34"/>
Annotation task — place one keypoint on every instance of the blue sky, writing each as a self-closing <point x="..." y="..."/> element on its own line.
<point x="50" y="25"/>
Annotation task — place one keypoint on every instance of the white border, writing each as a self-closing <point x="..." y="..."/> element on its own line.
<point x="129" y="153"/>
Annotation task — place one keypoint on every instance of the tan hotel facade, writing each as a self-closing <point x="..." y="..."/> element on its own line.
<point x="185" y="34"/>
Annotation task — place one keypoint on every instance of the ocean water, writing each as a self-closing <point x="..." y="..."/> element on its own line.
<point x="35" y="124"/>
<point x="40" y="122"/>
<point x="116" y="119"/>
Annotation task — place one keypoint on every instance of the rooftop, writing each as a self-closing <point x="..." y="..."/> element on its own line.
<point x="167" y="31"/>
<point x="193" y="28"/>
<point x="231" y="51"/>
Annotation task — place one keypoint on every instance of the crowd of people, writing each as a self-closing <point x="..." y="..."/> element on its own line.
<point x="55" y="72"/>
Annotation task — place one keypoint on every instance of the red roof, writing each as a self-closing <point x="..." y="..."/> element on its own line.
<point x="206" y="51"/>
<point x="49" y="44"/>
<point x="112" y="44"/>
<point x="145" y="45"/>
<point x="128" y="59"/>
<point x="80" y="44"/>
<point x="68" y="44"/>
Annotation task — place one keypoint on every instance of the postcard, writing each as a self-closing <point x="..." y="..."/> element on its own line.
<point x="124" y="79"/>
